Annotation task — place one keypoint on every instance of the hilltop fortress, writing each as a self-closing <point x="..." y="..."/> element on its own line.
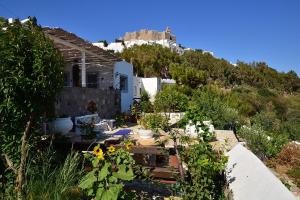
<point x="144" y="36"/>
<point x="149" y="35"/>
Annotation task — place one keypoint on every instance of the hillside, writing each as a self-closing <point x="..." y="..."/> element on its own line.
<point x="251" y="94"/>
<point x="203" y="68"/>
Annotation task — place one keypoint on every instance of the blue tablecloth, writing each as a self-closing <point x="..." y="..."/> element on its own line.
<point x="122" y="132"/>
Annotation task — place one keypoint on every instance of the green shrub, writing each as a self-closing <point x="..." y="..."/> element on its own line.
<point x="211" y="103"/>
<point x="109" y="172"/>
<point x="268" y="121"/>
<point x="31" y="76"/>
<point x="170" y="100"/>
<point x="205" y="174"/>
<point x="145" y="104"/>
<point x="264" y="144"/>
<point x="154" y="121"/>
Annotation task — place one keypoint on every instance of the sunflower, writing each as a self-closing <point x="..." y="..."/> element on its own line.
<point x="129" y="145"/>
<point x="100" y="155"/>
<point x="98" y="152"/>
<point x="111" y="150"/>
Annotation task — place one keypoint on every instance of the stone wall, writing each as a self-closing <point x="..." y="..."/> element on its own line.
<point x="149" y="35"/>
<point x="73" y="101"/>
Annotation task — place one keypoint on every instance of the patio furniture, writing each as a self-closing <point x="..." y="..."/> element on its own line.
<point x="99" y="125"/>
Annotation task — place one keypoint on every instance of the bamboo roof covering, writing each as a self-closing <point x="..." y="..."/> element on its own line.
<point x="72" y="47"/>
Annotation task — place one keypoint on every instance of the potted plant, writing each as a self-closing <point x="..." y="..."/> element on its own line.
<point x="145" y="132"/>
<point x="62" y="124"/>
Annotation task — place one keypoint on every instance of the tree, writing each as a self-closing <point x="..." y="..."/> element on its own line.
<point x="105" y="43"/>
<point x="2" y="21"/>
<point x="188" y="76"/>
<point x="150" y="60"/>
<point x="31" y="75"/>
<point x="170" y="100"/>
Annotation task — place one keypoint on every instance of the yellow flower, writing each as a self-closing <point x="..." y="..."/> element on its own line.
<point x="129" y="145"/>
<point x="98" y="152"/>
<point x="100" y="155"/>
<point x="111" y="150"/>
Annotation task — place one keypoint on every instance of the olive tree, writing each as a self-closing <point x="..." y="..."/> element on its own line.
<point x="31" y="75"/>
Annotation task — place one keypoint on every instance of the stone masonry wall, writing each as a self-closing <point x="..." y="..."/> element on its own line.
<point x="148" y="35"/>
<point x="73" y="101"/>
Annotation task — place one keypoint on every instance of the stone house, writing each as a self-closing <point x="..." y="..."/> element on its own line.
<point x="91" y="75"/>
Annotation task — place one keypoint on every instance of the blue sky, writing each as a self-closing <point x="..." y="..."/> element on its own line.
<point x="246" y="30"/>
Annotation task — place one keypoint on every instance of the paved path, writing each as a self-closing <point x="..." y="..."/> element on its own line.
<point x="226" y="140"/>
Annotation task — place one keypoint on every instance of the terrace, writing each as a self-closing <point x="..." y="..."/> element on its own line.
<point x="88" y="75"/>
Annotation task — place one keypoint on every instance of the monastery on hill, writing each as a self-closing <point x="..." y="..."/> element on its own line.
<point x="144" y="36"/>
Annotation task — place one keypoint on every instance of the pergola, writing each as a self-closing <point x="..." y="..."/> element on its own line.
<point x="79" y="51"/>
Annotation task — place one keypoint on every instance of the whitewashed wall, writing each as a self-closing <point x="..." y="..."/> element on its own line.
<point x="119" y="47"/>
<point x="151" y="85"/>
<point x="126" y="69"/>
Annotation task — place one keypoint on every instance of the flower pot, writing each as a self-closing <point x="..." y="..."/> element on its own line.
<point x="61" y="125"/>
<point x="145" y="134"/>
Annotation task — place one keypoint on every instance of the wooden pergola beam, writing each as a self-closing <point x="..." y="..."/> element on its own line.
<point x="73" y="46"/>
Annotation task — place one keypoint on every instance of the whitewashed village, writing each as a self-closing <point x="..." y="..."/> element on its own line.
<point x="107" y="120"/>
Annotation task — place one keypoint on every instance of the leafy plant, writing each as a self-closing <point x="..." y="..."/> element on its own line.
<point x="263" y="144"/>
<point x="170" y="100"/>
<point x="210" y="102"/>
<point x="46" y="181"/>
<point x="31" y="75"/>
<point x="109" y="171"/>
<point x="145" y="104"/>
<point x="205" y="170"/>
<point x="154" y="121"/>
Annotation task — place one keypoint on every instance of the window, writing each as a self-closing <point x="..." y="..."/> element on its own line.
<point x="92" y="80"/>
<point x="123" y="83"/>
<point x="67" y="79"/>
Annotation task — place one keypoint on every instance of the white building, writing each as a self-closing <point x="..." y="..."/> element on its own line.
<point x="150" y="85"/>
<point x="123" y="80"/>
<point x="165" y="38"/>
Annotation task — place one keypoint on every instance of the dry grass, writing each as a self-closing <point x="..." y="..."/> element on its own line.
<point x="287" y="165"/>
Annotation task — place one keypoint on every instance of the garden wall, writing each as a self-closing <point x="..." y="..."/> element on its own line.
<point x="73" y="101"/>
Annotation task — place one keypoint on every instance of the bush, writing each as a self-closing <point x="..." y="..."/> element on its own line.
<point x="205" y="171"/>
<point x="211" y="103"/>
<point x="31" y="76"/>
<point x="289" y="155"/>
<point x="267" y="120"/>
<point x="155" y="121"/>
<point x="170" y="100"/>
<point x="265" y="145"/>
<point x="145" y="104"/>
